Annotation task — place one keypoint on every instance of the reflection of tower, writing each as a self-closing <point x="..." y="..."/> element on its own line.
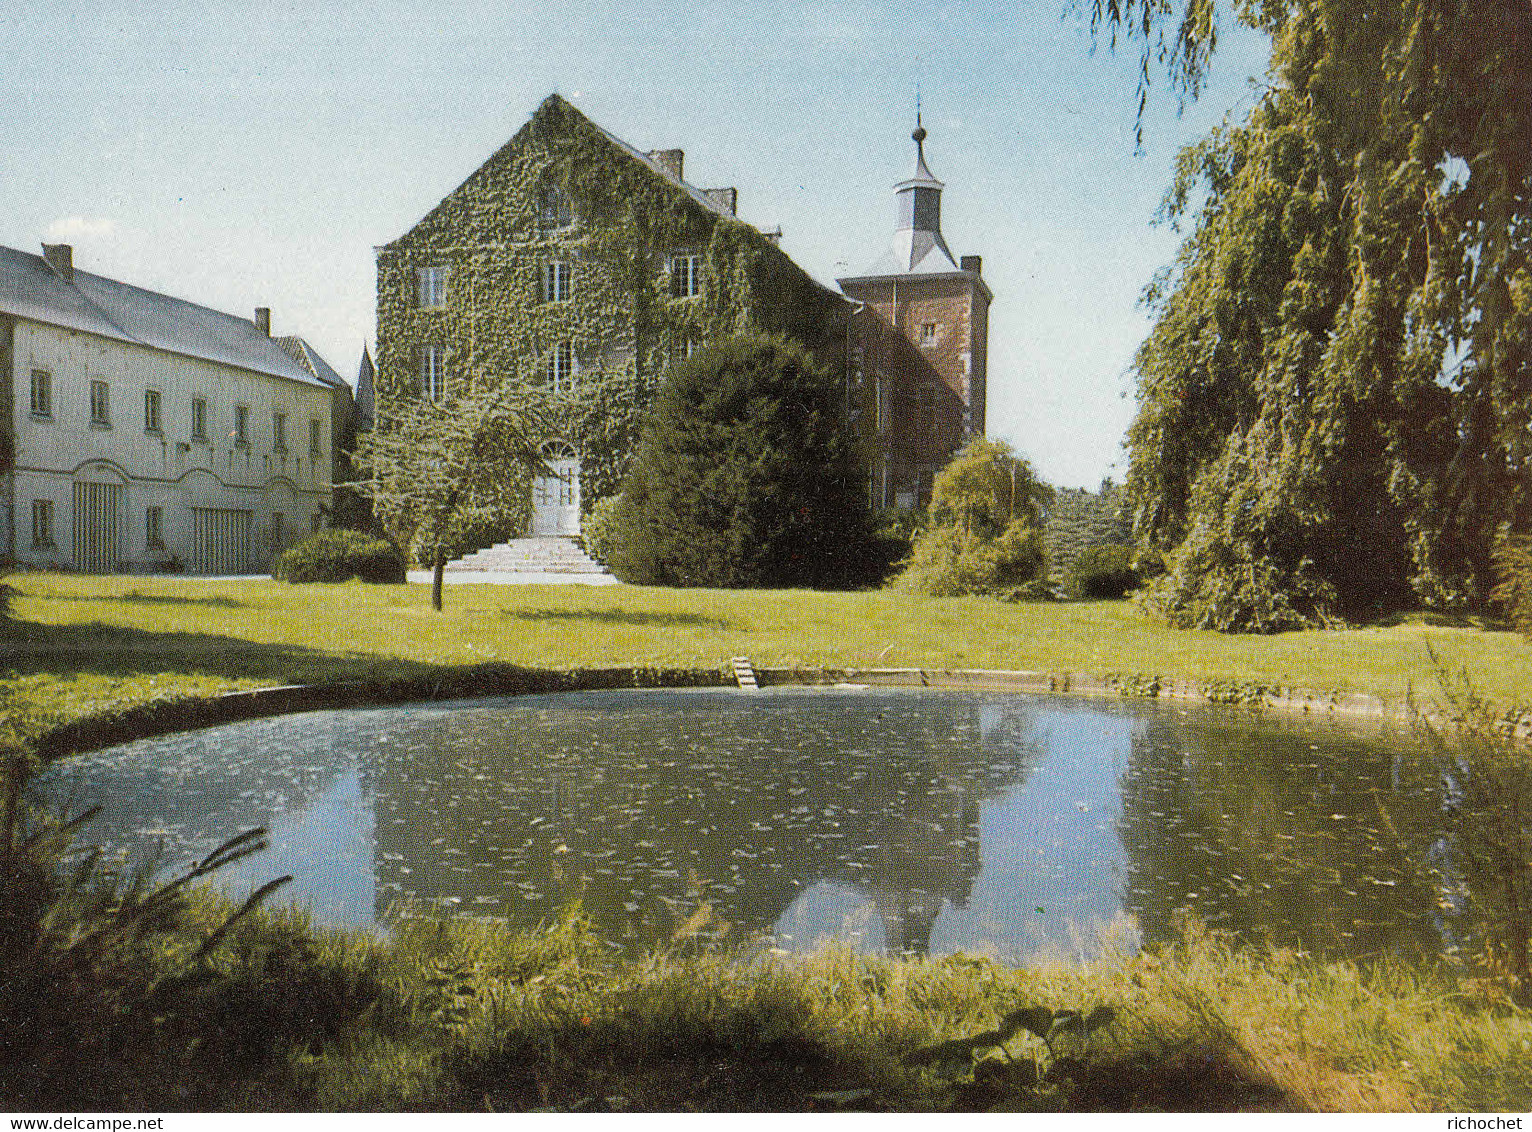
<point x="908" y="916"/>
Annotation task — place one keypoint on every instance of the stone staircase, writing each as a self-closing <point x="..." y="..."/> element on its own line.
<point x="535" y="554"/>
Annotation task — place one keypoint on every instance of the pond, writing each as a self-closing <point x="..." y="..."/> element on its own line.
<point x="920" y="821"/>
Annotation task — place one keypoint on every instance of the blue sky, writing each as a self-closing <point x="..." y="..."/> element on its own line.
<point x="253" y="153"/>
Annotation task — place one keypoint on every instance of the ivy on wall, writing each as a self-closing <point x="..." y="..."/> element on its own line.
<point x="620" y="316"/>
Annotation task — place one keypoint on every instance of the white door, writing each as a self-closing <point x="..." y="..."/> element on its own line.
<point x="556" y="499"/>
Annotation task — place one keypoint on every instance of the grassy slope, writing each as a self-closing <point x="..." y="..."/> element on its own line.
<point x="79" y="645"/>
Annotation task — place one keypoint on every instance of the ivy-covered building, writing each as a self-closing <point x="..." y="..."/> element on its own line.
<point x="581" y="267"/>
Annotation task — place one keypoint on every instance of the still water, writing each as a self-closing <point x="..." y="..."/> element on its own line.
<point x="909" y="821"/>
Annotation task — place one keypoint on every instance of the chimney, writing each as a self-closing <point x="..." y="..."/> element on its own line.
<point x="60" y="257"/>
<point x="972" y="263"/>
<point x="773" y="234"/>
<point x="263" y="320"/>
<point x="670" y="160"/>
<point x="725" y="199"/>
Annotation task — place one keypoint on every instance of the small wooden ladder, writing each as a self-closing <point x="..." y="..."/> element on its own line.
<point x="743" y="672"/>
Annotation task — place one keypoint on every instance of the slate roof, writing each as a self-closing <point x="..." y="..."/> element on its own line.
<point x="30" y="289"/>
<point x="306" y="356"/>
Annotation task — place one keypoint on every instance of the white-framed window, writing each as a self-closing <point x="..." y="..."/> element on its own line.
<point x="154" y="528"/>
<point x="100" y="405"/>
<point x="279" y="432"/>
<point x="433" y="372"/>
<point x="316" y="434"/>
<point x="42" y="523"/>
<point x="685" y="275"/>
<point x="561" y="366"/>
<point x="151" y="410"/>
<point x="927" y="333"/>
<point x="554" y="286"/>
<point x="199" y="418"/>
<point x="554" y="210"/>
<point x="241" y="425"/>
<point x="432" y="290"/>
<point x="42" y="393"/>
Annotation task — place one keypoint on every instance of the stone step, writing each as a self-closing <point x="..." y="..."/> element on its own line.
<point x="541" y="554"/>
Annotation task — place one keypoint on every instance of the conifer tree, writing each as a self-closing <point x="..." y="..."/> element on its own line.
<point x="744" y="476"/>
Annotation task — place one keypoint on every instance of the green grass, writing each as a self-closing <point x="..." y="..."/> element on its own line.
<point x="461" y="1015"/>
<point x="80" y="646"/>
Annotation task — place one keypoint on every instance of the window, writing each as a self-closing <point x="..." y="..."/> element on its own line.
<point x="154" y="538"/>
<point x="316" y="434"/>
<point x="433" y="286"/>
<point x="42" y="393"/>
<point x="100" y="408"/>
<point x="433" y="372"/>
<point x="927" y="333"/>
<point x="279" y="432"/>
<point x="42" y="523"/>
<point x="685" y="275"/>
<point x="151" y="410"/>
<point x="553" y="209"/>
<point x="241" y="424"/>
<point x="555" y="282"/>
<point x="278" y="530"/>
<point x="199" y="419"/>
<point x="315" y="522"/>
<point x="561" y="366"/>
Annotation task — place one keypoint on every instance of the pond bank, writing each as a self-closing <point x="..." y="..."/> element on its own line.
<point x="164" y="717"/>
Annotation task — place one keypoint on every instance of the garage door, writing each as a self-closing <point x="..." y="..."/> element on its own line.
<point x="220" y="541"/>
<point x="96" y="510"/>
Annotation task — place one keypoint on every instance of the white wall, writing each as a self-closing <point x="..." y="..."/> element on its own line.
<point x="167" y="469"/>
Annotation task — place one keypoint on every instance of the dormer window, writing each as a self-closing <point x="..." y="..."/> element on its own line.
<point x="553" y="209"/>
<point x="432" y="286"/>
<point x="685" y="275"/>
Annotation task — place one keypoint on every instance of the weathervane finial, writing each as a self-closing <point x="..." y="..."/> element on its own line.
<point x="919" y="136"/>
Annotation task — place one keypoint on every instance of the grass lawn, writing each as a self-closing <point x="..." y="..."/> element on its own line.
<point x="80" y="645"/>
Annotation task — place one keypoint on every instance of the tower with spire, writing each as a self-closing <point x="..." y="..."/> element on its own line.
<point x="923" y="328"/>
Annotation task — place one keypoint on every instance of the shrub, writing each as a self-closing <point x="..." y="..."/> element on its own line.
<point x="1104" y="571"/>
<point x="339" y="556"/>
<point x="951" y="562"/>
<point x="1513" y="571"/>
<point x="598" y="528"/>
<point x="744" y="476"/>
<point x="984" y="532"/>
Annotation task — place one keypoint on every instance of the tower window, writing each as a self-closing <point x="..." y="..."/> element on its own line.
<point x="151" y="410"/>
<point x="927" y="333"/>
<point x="199" y="419"/>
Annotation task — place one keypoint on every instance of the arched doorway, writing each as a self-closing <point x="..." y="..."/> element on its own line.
<point x="556" y="497"/>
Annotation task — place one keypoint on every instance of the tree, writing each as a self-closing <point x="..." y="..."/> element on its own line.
<point x="436" y="468"/>
<point x="1335" y="404"/>
<point x="984" y="529"/>
<point x="744" y="476"/>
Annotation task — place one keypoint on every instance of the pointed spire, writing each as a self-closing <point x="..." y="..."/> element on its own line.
<point x="922" y="173"/>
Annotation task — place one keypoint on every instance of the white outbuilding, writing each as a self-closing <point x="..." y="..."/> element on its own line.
<point x="141" y="432"/>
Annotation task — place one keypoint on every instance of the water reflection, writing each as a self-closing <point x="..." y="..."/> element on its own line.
<point x="894" y="820"/>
